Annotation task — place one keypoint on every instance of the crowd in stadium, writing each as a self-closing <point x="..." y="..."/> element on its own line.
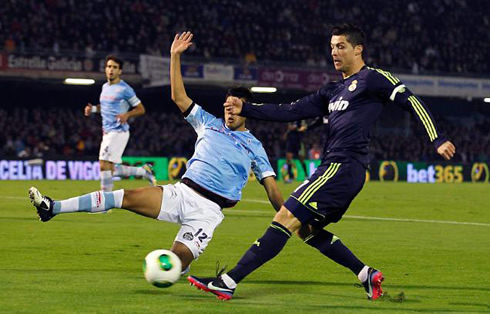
<point x="414" y="36"/>
<point x="58" y="132"/>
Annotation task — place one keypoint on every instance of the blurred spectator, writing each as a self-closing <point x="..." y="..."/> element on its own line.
<point x="62" y="132"/>
<point x="415" y="35"/>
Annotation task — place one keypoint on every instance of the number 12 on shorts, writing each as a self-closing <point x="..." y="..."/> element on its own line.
<point x="202" y="236"/>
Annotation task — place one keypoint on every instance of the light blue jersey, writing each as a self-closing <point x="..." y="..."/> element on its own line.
<point x="116" y="99"/>
<point x="222" y="158"/>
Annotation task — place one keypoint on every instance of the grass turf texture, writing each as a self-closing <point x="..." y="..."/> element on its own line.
<point x="93" y="263"/>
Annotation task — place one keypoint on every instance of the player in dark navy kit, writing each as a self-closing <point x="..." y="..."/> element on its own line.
<point x="352" y="104"/>
<point x="295" y="148"/>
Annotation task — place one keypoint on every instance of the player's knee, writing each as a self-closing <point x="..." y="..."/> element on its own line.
<point x="184" y="253"/>
<point x="129" y="198"/>
<point x="105" y="165"/>
<point x="287" y="219"/>
<point x="304" y="232"/>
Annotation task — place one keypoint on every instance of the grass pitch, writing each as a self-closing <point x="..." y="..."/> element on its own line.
<point x="431" y="241"/>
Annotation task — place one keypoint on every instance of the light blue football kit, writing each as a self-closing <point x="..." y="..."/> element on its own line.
<point x="116" y="99"/>
<point x="218" y="170"/>
<point x="222" y="158"/>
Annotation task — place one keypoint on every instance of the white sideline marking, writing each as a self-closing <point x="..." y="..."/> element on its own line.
<point x="447" y="222"/>
<point x="382" y="218"/>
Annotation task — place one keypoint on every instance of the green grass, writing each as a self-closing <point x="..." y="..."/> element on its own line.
<point x="93" y="263"/>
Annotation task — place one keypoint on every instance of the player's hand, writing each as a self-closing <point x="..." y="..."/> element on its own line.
<point x="233" y="105"/>
<point x="88" y="109"/>
<point x="122" y="118"/>
<point x="181" y="43"/>
<point x="446" y="150"/>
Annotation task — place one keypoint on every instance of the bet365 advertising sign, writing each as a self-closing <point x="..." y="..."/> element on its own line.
<point x="422" y="172"/>
<point x="399" y="171"/>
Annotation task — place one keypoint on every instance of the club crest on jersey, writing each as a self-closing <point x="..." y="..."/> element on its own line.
<point x="338" y="105"/>
<point x="353" y="86"/>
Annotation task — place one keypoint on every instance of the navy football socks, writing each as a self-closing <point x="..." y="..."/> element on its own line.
<point x="331" y="246"/>
<point x="263" y="250"/>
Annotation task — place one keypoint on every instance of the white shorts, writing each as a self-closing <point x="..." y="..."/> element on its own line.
<point x="197" y="215"/>
<point x="112" y="146"/>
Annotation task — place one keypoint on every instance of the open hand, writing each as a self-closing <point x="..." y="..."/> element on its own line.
<point x="233" y="105"/>
<point x="181" y="43"/>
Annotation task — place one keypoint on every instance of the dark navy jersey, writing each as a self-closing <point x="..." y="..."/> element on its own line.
<point x="352" y="105"/>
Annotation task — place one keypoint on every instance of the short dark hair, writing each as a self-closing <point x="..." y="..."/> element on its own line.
<point x="115" y="59"/>
<point x="354" y="35"/>
<point x="240" y="92"/>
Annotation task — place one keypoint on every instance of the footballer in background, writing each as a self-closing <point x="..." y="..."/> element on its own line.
<point x="116" y="100"/>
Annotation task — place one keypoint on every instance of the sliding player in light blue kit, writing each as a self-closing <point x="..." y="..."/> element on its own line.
<point x="216" y="174"/>
<point x="116" y="98"/>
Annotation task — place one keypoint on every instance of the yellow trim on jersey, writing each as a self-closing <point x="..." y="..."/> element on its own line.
<point x="393" y="79"/>
<point x="424" y="117"/>
<point x="321" y="180"/>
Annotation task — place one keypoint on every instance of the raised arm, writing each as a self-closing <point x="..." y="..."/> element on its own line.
<point x="310" y="106"/>
<point x="179" y="96"/>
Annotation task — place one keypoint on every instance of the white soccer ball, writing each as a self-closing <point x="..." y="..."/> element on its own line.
<point x="162" y="268"/>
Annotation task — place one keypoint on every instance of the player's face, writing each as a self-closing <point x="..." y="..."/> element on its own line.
<point x="112" y="70"/>
<point x="343" y="53"/>
<point x="235" y="122"/>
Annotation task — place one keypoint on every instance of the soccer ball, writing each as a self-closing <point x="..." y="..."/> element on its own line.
<point x="162" y="268"/>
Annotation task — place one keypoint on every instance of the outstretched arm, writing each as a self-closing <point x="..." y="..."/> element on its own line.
<point x="179" y="96"/>
<point x="311" y="106"/>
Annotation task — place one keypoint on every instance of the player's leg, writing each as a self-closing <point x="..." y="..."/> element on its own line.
<point x="106" y="168"/>
<point x="301" y="158"/>
<point x="198" y="217"/>
<point x="262" y="250"/>
<point x="332" y="247"/>
<point x="331" y="199"/>
<point x="145" y="171"/>
<point x="111" y="151"/>
<point x="143" y="201"/>
<point x="289" y="167"/>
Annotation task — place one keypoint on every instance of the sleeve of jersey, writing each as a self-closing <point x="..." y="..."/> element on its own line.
<point x="198" y="118"/>
<point x="261" y="166"/>
<point x="389" y="86"/>
<point x="132" y="98"/>
<point x="310" y="106"/>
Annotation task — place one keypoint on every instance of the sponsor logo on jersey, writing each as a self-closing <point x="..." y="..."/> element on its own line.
<point x="338" y="105"/>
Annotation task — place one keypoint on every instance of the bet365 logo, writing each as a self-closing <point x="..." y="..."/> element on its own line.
<point x="479" y="172"/>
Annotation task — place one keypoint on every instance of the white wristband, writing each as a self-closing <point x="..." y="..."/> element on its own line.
<point x="94" y="109"/>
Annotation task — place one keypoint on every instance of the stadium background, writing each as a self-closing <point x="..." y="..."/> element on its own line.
<point x="430" y="240"/>
<point x="41" y="118"/>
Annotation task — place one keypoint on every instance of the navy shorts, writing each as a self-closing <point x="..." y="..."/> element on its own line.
<point x="326" y="195"/>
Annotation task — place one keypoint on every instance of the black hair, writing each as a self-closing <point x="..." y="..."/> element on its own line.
<point x="115" y="59"/>
<point x="354" y="35"/>
<point x="240" y="92"/>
